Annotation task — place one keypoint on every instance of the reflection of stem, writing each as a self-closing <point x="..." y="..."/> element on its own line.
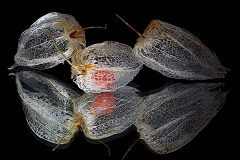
<point x="129" y="26"/>
<point x="227" y="69"/>
<point x="73" y="126"/>
<point x="131" y="147"/>
<point x="105" y="27"/>
<point x="105" y="146"/>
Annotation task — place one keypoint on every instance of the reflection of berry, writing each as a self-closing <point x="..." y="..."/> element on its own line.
<point x="103" y="79"/>
<point x="103" y="103"/>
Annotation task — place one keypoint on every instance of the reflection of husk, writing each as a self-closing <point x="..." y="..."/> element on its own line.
<point x="36" y="97"/>
<point x="142" y="112"/>
<point x="52" y="145"/>
<point x="122" y="115"/>
<point x="174" y="116"/>
<point x="36" y="92"/>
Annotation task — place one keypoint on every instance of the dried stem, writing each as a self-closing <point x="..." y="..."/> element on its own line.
<point x="129" y="26"/>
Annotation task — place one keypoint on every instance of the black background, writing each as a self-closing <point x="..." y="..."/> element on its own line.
<point x="214" y="24"/>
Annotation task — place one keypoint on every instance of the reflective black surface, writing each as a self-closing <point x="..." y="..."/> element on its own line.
<point x="210" y="23"/>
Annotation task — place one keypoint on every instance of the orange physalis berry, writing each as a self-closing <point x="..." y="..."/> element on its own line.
<point x="103" y="79"/>
<point x="103" y="104"/>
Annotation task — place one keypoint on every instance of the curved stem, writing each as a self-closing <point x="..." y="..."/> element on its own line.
<point x="73" y="126"/>
<point x="54" y="42"/>
<point x="105" y="27"/>
<point x="105" y="146"/>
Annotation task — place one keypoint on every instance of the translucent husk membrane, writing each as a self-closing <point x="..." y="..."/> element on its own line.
<point x="48" y="106"/>
<point x="176" y="53"/>
<point x="171" y="118"/>
<point x="166" y="119"/>
<point x="56" y="111"/>
<point x="35" y="46"/>
<point x="109" y="113"/>
<point x="105" y="67"/>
